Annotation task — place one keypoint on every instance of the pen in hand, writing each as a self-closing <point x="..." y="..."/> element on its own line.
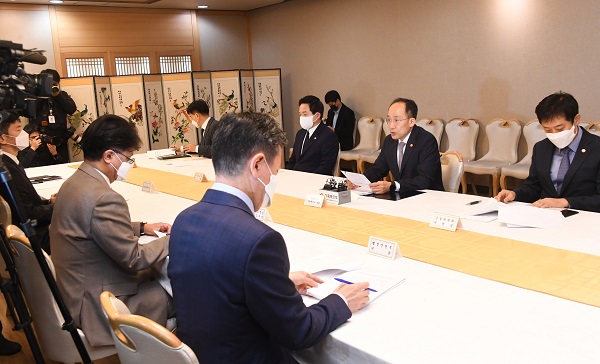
<point x="345" y="281"/>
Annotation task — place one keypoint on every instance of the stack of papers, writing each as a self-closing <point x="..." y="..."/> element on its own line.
<point x="484" y="210"/>
<point x="517" y="215"/>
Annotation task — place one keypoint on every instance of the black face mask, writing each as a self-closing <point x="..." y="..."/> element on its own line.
<point x="333" y="107"/>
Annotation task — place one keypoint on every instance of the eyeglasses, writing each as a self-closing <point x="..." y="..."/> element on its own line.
<point x="129" y="160"/>
<point x="394" y="121"/>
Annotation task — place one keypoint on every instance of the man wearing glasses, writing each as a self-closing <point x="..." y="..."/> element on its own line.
<point x="95" y="244"/>
<point x="410" y="152"/>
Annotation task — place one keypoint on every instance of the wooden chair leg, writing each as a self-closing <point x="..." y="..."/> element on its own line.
<point x="463" y="183"/>
<point x="495" y="184"/>
<point x="360" y="166"/>
<point x="502" y="182"/>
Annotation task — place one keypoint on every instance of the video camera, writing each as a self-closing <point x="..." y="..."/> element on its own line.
<point x="58" y="140"/>
<point x="20" y="91"/>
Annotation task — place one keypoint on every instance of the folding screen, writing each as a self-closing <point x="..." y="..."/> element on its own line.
<point x="178" y="92"/>
<point x="203" y="89"/>
<point x="83" y="93"/>
<point x="226" y="92"/>
<point x="267" y="86"/>
<point x="155" y="107"/>
<point x="129" y="102"/>
<point x="103" y="96"/>
<point x="247" y="77"/>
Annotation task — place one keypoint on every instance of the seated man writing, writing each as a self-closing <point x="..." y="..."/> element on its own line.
<point x="94" y="243"/>
<point x="410" y="152"/>
<point x="565" y="167"/>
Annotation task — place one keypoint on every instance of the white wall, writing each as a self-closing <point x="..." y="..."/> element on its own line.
<point x="223" y="40"/>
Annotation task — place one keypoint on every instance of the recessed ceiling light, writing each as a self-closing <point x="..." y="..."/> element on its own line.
<point x="202" y="6"/>
<point x="56" y="1"/>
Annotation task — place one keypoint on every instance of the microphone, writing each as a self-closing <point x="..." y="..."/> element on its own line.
<point x="35" y="58"/>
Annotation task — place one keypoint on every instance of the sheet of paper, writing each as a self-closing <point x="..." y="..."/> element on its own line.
<point x="528" y="216"/>
<point x="379" y="283"/>
<point x="481" y="206"/>
<point x="361" y="181"/>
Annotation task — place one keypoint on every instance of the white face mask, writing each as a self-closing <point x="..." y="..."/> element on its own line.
<point x="306" y="122"/>
<point x="195" y="123"/>
<point x="563" y="138"/>
<point x="21" y="140"/>
<point x="269" y="188"/>
<point x="123" y="170"/>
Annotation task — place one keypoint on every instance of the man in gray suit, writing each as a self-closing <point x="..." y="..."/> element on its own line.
<point x="95" y="243"/>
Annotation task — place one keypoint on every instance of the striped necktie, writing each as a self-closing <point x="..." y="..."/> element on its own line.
<point x="565" y="162"/>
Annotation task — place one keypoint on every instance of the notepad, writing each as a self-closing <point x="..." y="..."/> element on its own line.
<point x="378" y="282"/>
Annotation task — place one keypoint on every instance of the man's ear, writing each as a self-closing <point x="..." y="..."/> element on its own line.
<point x="256" y="162"/>
<point x="107" y="155"/>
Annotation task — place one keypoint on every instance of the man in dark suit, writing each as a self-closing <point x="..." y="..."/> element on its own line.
<point x="236" y="300"/>
<point x="316" y="146"/>
<point x="410" y="152"/>
<point x="198" y="111"/>
<point x="94" y="242"/>
<point x="12" y="140"/>
<point x="341" y="119"/>
<point x="565" y="167"/>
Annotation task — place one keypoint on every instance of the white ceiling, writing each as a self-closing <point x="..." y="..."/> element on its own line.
<point x="240" y="5"/>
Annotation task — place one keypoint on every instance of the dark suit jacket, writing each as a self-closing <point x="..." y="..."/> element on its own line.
<point x="234" y="300"/>
<point x="206" y="141"/>
<point x="61" y="105"/>
<point x="581" y="186"/>
<point x="344" y="127"/>
<point x="421" y="168"/>
<point x="95" y="248"/>
<point x="34" y="206"/>
<point x="319" y="154"/>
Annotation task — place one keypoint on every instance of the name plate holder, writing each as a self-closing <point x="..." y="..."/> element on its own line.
<point x="335" y="197"/>
<point x="383" y="248"/>
<point x="444" y="221"/>
<point x="200" y="177"/>
<point x="148" y="186"/>
<point x="314" y="200"/>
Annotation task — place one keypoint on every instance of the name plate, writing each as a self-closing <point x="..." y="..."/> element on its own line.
<point x="444" y="222"/>
<point x="314" y="200"/>
<point x="337" y="198"/>
<point x="382" y="248"/>
<point x="263" y="215"/>
<point x="200" y="177"/>
<point x="148" y="186"/>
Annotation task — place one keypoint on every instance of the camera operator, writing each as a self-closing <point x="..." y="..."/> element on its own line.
<point x="12" y="140"/>
<point x="52" y="115"/>
<point x="41" y="150"/>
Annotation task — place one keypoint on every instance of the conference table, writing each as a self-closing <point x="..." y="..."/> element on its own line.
<point x="437" y="315"/>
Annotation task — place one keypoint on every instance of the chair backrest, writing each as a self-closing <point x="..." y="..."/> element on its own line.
<point x="452" y="170"/>
<point x="6" y="220"/>
<point x="533" y="132"/>
<point x="434" y="126"/>
<point x="369" y="130"/>
<point x="462" y="137"/>
<point x="503" y="138"/>
<point x="56" y="343"/>
<point x="336" y="169"/>
<point x="141" y="340"/>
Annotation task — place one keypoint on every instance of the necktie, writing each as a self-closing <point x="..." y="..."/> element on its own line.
<point x="400" y="154"/>
<point x="201" y="136"/>
<point x="304" y="141"/>
<point x="563" y="168"/>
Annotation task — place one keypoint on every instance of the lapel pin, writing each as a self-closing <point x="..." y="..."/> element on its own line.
<point x="583" y="150"/>
<point x="411" y="145"/>
<point x="315" y="138"/>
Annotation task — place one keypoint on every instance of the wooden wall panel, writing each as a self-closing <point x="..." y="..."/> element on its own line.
<point x="94" y="27"/>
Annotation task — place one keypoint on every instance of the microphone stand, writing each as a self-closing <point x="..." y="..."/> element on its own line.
<point x="25" y="319"/>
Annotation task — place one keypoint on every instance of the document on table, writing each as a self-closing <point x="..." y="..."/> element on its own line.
<point x="360" y="180"/>
<point x="379" y="283"/>
<point x="517" y="215"/>
<point x="154" y="154"/>
<point x="484" y="210"/>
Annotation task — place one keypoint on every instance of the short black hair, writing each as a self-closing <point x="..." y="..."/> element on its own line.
<point x="559" y="104"/>
<point x="332" y="96"/>
<point x="109" y="132"/>
<point x="54" y="73"/>
<point x="200" y="106"/>
<point x="314" y="104"/>
<point x="11" y="119"/>
<point x="239" y="136"/>
<point x="31" y="128"/>
<point x="409" y="105"/>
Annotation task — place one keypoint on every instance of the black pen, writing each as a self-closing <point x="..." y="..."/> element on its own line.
<point x="474" y="202"/>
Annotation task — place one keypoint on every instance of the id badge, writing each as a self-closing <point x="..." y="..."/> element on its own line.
<point x="51" y="119"/>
